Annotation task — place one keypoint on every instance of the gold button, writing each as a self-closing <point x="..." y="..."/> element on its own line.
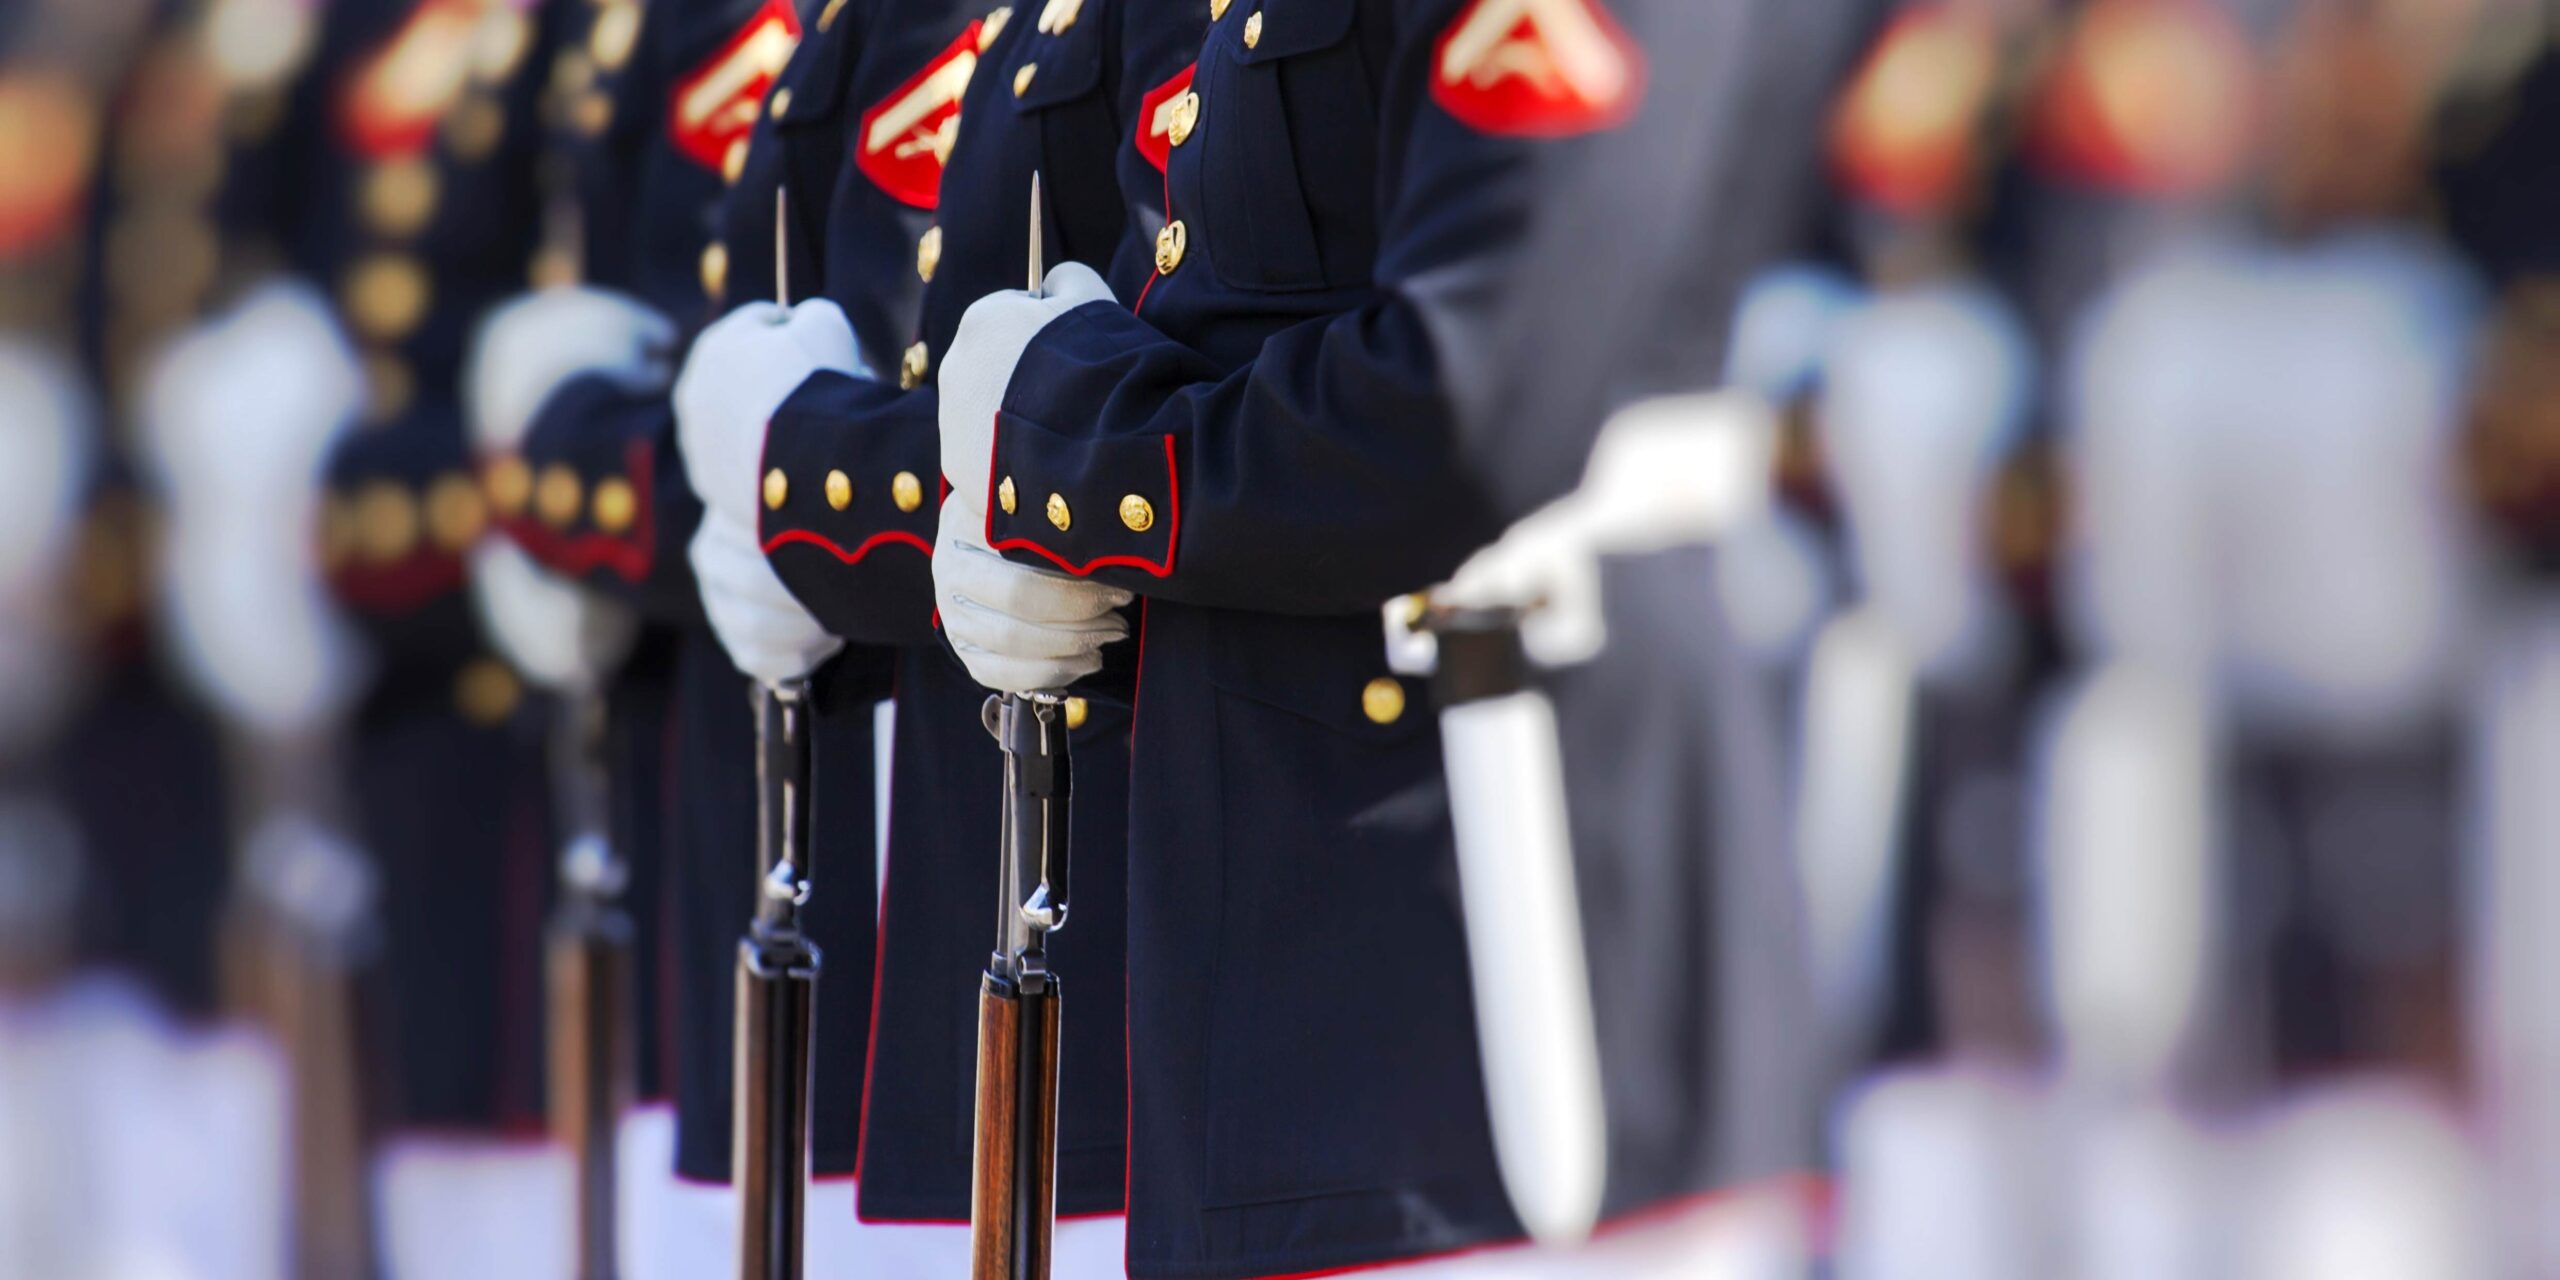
<point x="386" y="296"/>
<point x="992" y="27"/>
<point x="1004" y="495"/>
<point x="593" y="112"/>
<point x="733" y="166"/>
<point x="1058" y="513"/>
<point x="455" y="514"/>
<point x="1077" y="711"/>
<point x="1058" y="15"/>
<point x="839" y="490"/>
<point x="1171" y="244"/>
<point x="911" y="369"/>
<point x="617" y="32"/>
<point x="1186" y="117"/>
<point x="473" y="130"/>
<point x="827" y="16"/>
<point x="1253" y="29"/>
<point x="777" y="489"/>
<point x="1217" y="9"/>
<point x="499" y="42"/>
<point x="715" y="269"/>
<point x="486" y="692"/>
<point x="781" y="102"/>
<point x="1022" y="78"/>
<point x="617" y="504"/>
<point x="929" y="252"/>
<point x="386" y="522"/>
<point x="1383" y="700"/>
<point x="556" y="498"/>
<point x="399" y="197"/>
<point x="388" y="387"/>
<point x="1137" y="513"/>
<point x="510" y="484"/>
<point x="906" y="491"/>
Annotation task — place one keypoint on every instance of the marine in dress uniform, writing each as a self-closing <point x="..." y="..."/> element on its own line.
<point x="1077" y="92"/>
<point x="1260" y="445"/>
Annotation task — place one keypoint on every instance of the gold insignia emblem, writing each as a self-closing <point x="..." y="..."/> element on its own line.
<point x="1171" y="244"/>
<point x="1137" y="513"/>
<point x="1059" y="516"/>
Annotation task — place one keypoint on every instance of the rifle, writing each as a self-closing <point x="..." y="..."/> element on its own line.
<point x="777" y="982"/>
<point x="1013" y="1196"/>
<point x="588" y="967"/>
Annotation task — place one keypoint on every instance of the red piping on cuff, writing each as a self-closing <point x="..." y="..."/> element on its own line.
<point x="1172" y="532"/>
<point x="829" y="545"/>
<point x="578" y="554"/>
<point x="402" y="588"/>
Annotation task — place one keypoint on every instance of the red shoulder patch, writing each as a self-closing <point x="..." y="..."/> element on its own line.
<point x="1168" y="111"/>
<point x="907" y="136"/>
<point x="1537" y="68"/>
<point x="396" y="98"/>
<point x="2155" y="97"/>
<point x="1903" y="135"/>
<point x="717" y="103"/>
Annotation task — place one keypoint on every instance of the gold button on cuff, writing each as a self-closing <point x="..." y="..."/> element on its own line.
<point x="906" y="491"/>
<point x="386" y="522"/>
<point x="1004" y="495"/>
<point x="486" y="692"/>
<point x="557" y="495"/>
<point x="1022" y="78"/>
<point x="616" y="505"/>
<point x="715" y="269"/>
<point x="733" y="166"/>
<point x="781" y="102"/>
<point x="386" y="296"/>
<point x="1253" y="30"/>
<point x="455" y="513"/>
<point x="839" y="490"/>
<point x="1382" y="700"/>
<point x="929" y="253"/>
<point x="912" y="368"/>
<point x="1217" y="9"/>
<point x="510" y="485"/>
<point x="1186" y="117"/>
<point x="399" y="197"/>
<point x="1058" y="513"/>
<point x="1171" y="243"/>
<point x="1077" y="711"/>
<point x="1137" y="513"/>
<point x="777" y="489"/>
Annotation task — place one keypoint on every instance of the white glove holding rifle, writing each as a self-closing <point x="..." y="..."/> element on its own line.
<point x="740" y="371"/>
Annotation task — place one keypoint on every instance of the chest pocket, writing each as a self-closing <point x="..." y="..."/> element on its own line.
<point x="1053" y="75"/>
<point x="1288" y="147"/>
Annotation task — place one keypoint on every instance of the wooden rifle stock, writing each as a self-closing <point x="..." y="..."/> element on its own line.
<point x="777" y="980"/>
<point x="1013" y="1192"/>
<point x="588" y="971"/>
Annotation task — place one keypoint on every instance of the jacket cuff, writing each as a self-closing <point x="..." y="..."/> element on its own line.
<point x="599" y="495"/>
<point x="852" y="493"/>
<point x="1079" y="504"/>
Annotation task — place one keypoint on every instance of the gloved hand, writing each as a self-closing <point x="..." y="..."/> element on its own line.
<point x="979" y="365"/>
<point x="1018" y="629"/>
<point x="768" y="634"/>
<point x="559" y="634"/>
<point x="741" y="369"/>
<point x="526" y="349"/>
<point x="238" y="420"/>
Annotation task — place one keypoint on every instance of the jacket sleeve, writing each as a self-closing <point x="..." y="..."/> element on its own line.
<point x="1323" y="475"/>
<point x="850" y="530"/>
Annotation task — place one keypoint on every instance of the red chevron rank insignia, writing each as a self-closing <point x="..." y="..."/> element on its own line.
<point x="717" y="104"/>
<point x="906" y="137"/>
<point x="1537" y="68"/>
<point x="1167" y="116"/>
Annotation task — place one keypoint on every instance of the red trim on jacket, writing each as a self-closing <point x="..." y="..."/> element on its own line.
<point x="831" y="547"/>
<point x="1172" y="532"/>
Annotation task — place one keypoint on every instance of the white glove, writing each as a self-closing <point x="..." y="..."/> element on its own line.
<point x="528" y="348"/>
<point x="238" y="421"/>
<point x="768" y="634"/>
<point x="979" y="365"/>
<point x="741" y="369"/>
<point x="560" y="634"/>
<point x="1018" y="629"/>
